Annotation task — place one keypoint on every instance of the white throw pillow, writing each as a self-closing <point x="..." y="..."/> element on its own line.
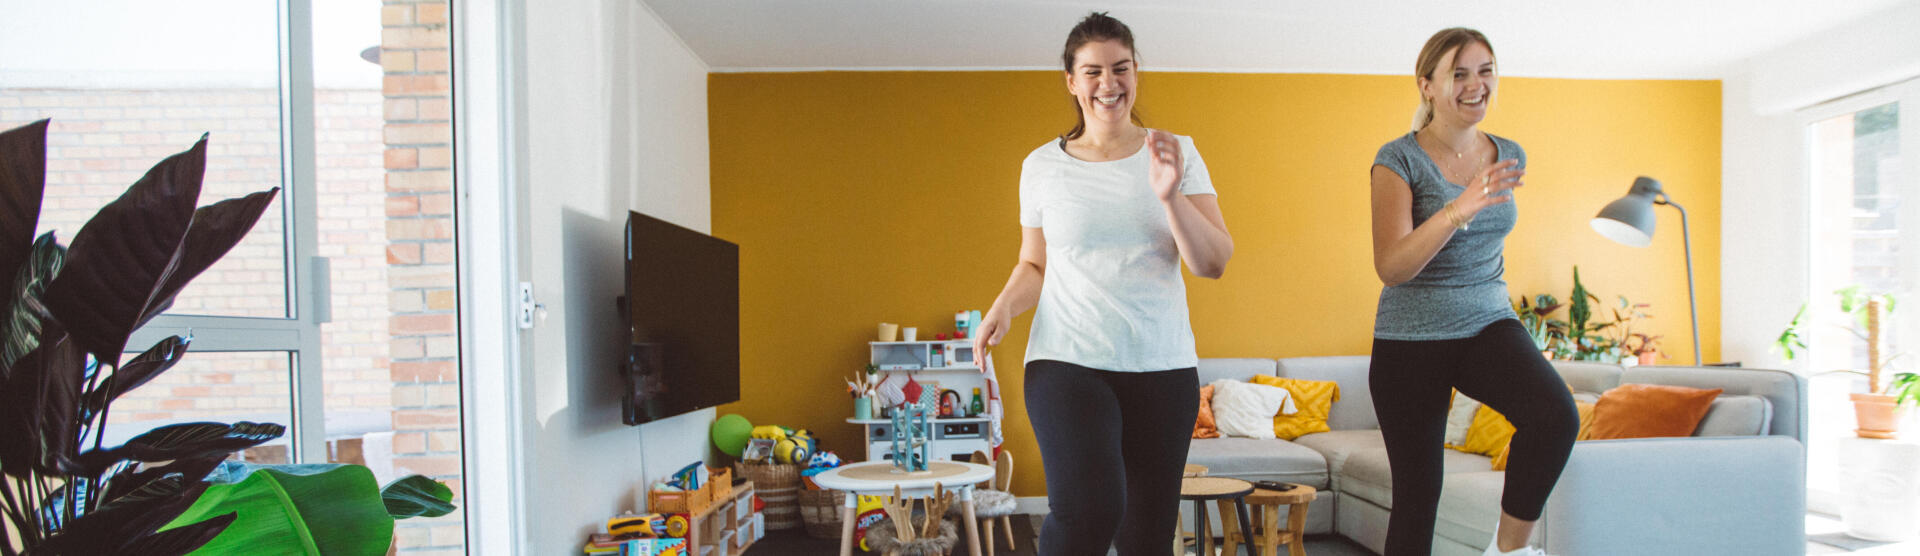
<point x="1460" y="418"/>
<point x="1247" y="410"/>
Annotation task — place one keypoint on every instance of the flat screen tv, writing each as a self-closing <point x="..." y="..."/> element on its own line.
<point x="683" y="312"/>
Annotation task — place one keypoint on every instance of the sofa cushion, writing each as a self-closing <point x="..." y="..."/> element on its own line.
<point x="1241" y="369"/>
<point x="1203" y="425"/>
<point x="1355" y="410"/>
<point x="1470" y="507"/>
<point x="1650" y="411"/>
<point x="1588" y="376"/>
<point x="1339" y="446"/>
<point x="1735" y="416"/>
<point x="1255" y="459"/>
<point x="1366" y="473"/>
<point x="1786" y="393"/>
<point x="1315" y="400"/>
<point x="1248" y="410"/>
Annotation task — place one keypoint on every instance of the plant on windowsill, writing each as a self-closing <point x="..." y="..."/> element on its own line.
<point x="66" y="314"/>
<point x="1878" y="411"/>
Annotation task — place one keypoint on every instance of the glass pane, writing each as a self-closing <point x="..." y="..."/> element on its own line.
<point x="123" y="97"/>
<point x="1855" y="233"/>
<point x="213" y="386"/>
<point x="382" y="101"/>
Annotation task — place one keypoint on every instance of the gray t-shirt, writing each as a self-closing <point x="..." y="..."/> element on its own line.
<point x="1461" y="290"/>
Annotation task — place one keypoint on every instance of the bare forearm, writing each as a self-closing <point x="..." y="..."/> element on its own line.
<point x="1022" y="291"/>
<point x="1204" y="245"/>
<point x="1404" y="258"/>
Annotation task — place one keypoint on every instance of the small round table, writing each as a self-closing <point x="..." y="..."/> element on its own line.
<point x="879" y="478"/>
<point x="1266" y="511"/>
<point x="1201" y="489"/>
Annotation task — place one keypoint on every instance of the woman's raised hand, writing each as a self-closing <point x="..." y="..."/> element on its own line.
<point x="1164" y="164"/>
<point x="1486" y="187"/>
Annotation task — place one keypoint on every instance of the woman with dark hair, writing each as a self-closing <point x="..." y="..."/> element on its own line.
<point x="1442" y="208"/>
<point x="1108" y="212"/>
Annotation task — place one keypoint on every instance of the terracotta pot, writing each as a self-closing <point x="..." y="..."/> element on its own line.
<point x="1646" y="357"/>
<point x="1877" y="416"/>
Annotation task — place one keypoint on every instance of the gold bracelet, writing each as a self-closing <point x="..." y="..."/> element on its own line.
<point x="1453" y="216"/>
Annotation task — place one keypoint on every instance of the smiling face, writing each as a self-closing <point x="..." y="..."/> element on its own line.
<point x="1462" y="85"/>
<point x="1103" y="82"/>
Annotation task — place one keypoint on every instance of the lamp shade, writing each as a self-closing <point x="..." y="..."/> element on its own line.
<point x="1629" y="220"/>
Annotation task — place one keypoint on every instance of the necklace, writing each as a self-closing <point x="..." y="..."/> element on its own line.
<point x="1450" y="167"/>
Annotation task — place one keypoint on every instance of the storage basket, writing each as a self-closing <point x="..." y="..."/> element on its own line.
<point x="820" y="511"/>
<point x="777" y="484"/>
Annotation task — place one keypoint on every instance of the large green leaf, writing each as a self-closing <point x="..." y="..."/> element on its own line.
<point x="125" y="252"/>
<point x="23" y="179"/>
<point x="295" y="509"/>
<point x="417" y="496"/>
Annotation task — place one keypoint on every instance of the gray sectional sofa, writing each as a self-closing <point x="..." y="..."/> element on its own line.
<point x="1738" y="486"/>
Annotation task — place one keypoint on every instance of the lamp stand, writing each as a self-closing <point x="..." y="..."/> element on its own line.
<point x="1686" y="244"/>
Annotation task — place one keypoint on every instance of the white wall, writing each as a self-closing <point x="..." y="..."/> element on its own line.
<point x="616" y="112"/>
<point x="1764" y="222"/>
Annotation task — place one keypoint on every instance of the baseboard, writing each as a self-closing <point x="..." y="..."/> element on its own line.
<point x="1031" y="505"/>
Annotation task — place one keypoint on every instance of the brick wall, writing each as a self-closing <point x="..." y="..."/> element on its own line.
<point x="414" y="57"/>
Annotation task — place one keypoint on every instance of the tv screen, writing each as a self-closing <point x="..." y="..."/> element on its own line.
<point x="683" y="307"/>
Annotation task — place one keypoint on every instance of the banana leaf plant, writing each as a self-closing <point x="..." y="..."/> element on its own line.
<point x="66" y="313"/>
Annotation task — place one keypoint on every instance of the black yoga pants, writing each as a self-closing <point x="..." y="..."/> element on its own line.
<point x="1412" y="382"/>
<point x="1113" y="445"/>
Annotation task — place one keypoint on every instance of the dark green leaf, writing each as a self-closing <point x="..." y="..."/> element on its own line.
<point x="133" y="477"/>
<point x="181" y="540"/>
<point x="125" y="253"/>
<point x="37" y="429"/>
<point x="184" y="441"/>
<point x="109" y="529"/>
<point x="157" y="359"/>
<point x="215" y="229"/>
<point x="417" y="496"/>
<point x="23" y="180"/>
<point x="21" y="305"/>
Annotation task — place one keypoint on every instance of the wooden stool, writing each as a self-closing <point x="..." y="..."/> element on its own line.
<point x="1266" y="511"/>
<point x="1179" y="525"/>
<point x="1222" y="490"/>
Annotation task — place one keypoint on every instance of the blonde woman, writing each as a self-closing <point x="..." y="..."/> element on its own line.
<point x="1108" y="212"/>
<point x="1442" y="207"/>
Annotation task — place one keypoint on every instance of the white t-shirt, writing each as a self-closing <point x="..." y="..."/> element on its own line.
<point x="1113" y="298"/>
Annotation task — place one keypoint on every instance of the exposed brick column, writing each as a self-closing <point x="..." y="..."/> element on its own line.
<point x="414" y="55"/>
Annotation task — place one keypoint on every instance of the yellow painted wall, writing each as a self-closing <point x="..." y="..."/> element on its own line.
<point x="860" y="197"/>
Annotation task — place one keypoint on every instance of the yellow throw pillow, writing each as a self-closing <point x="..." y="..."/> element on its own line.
<point x="1314" y="400"/>
<point x="1586" y="423"/>
<point x="1488" y="434"/>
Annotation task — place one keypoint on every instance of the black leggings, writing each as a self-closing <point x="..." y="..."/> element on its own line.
<point x="1411" y="383"/>
<point x="1113" y="445"/>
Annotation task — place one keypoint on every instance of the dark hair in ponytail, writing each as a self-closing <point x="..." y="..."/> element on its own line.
<point x="1097" y="26"/>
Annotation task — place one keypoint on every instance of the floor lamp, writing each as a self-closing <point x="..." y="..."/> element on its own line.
<point x="1629" y="220"/>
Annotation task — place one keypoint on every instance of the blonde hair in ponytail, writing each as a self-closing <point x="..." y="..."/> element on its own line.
<point x="1444" y="45"/>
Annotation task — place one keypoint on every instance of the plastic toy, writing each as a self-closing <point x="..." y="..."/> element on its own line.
<point x="729" y="433"/>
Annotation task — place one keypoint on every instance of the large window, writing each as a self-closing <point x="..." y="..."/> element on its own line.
<point x="1863" y="182"/>
<point x="336" y="315"/>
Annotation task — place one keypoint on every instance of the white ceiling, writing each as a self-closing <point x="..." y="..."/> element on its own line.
<point x="1552" y="38"/>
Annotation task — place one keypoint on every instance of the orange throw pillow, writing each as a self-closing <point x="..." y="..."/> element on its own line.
<point x="1650" y="410"/>
<point x="1203" y="426"/>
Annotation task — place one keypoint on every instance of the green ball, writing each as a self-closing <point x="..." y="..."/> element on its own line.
<point x="730" y="433"/>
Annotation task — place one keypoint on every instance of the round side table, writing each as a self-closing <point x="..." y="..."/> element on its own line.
<point x="1199" y="490"/>
<point x="1266" y="512"/>
<point x="880" y="478"/>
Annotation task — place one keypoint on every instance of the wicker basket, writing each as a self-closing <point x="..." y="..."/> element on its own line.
<point x="820" y="510"/>
<point x="779" y="486"/>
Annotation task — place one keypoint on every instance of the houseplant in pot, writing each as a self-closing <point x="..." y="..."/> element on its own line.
<point x="1877" y="411"/>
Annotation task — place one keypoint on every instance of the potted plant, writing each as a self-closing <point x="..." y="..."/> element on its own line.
<point x="66" y="313"/>
<point x="1547" y="333"/>
<point x="1877" y="411"/>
